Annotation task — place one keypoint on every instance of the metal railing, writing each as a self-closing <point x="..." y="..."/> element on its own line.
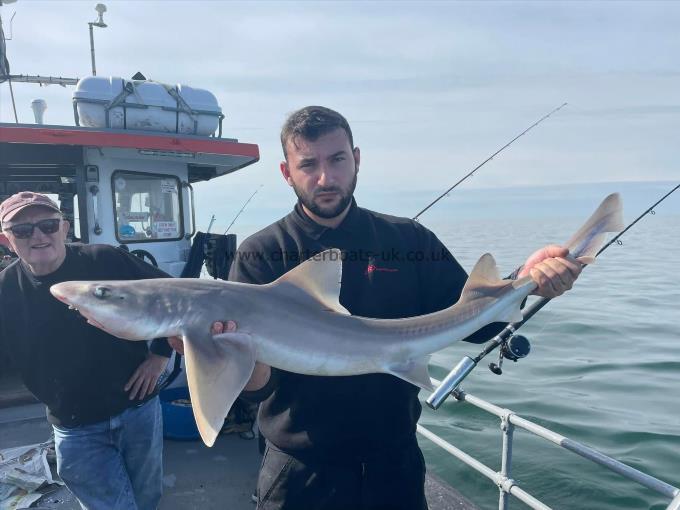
<point x="503" y="479"/>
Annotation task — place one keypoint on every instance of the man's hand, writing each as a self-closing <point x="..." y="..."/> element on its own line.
<point x="261" y="372"/>
<point x="143" y="381"/>
<point x="176" y="343"/>
<point x="217" y="328"/>
<point x="553" y="270"/>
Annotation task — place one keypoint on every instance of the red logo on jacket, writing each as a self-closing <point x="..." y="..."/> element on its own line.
<point x="372" y="268"/>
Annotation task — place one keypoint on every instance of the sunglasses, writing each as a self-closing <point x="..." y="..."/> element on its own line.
<point x="25" y="230"/>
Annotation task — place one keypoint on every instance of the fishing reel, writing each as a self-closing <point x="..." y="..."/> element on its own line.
<point x="514" y="348"/>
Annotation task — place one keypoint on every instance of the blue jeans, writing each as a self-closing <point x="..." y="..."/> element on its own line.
<point x="114" y="464"/>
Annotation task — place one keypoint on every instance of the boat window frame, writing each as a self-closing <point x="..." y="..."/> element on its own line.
<point x="125" y="241"/>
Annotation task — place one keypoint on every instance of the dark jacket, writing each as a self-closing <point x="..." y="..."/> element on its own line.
<point x="75" y="369"/>
<point x="392" y="267"/>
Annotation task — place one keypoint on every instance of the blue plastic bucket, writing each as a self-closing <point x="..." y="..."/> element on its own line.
<point x="178" y="418"/>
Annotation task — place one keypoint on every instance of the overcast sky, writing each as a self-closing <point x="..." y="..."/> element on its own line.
<point x="430" y="88"/>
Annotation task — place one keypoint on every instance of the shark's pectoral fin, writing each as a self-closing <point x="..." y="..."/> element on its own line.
<point x="414" y="371"/>
<point x="218" y="368"/>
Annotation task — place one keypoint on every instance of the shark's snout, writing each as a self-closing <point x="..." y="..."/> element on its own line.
<point x="73" y="293"/>
<point x="64" y="292"/>
<point x="57" y="293"/>
<point x="111" y="306"/>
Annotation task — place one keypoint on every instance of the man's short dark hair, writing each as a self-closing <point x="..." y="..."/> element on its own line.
<point x="312" y="122"/>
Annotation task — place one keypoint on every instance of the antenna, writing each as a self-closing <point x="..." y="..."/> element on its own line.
<point x="5" y="75"/>
<point x="101" y="9"/>
<point x="4" y="65"/>
<point x="11" y="24"/>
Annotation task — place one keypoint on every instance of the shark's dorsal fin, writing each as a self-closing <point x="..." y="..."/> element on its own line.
<point x="483" y="275"/>
<point x="319" y="278"/>
<point x="485" y="270"/>
<point x="485" y="285"/>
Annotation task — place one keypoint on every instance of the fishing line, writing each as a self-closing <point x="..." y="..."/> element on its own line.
<point x="650" y="210"/>
<point x="469" y="174"/>
<point x="505" y="338"/>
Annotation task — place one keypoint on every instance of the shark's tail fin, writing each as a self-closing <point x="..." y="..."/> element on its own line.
<point x="608" y="217"/>
<point x="485" y="286"/>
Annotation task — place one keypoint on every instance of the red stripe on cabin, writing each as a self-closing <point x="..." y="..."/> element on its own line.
<point x="136" y="140"/>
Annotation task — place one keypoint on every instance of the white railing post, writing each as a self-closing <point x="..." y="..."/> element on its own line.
<point x="506" y="460"/>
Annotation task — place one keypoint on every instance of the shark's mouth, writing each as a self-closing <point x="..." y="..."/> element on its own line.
<point x="96" y="324"/>
<point x="91" y="320"/>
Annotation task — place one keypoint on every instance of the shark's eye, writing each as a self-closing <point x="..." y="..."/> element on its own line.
<point x="102" y="292"/>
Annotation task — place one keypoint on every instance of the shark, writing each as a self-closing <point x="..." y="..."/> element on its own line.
<point x="298" y="324"/>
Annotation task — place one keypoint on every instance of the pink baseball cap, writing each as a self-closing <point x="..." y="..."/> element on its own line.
<point x="19" y="201"/>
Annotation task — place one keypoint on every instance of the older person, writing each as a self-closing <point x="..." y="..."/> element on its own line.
<point x="99" y="391"/>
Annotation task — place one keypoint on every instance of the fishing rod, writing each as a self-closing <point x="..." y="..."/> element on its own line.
<point x="469" y="174"/>
<point x="512" y="347"/>
<point x="212" y="220"/>
<point x="243" y="208"/>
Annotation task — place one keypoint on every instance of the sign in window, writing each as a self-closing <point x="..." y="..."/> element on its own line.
<point x="147" y="207"/>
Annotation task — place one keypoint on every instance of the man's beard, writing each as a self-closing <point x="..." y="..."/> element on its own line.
<point x="328" y="213"/>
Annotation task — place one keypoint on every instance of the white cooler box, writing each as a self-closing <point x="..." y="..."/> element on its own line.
<point x="116" y="103"/>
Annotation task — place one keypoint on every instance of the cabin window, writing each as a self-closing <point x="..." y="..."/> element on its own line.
<point x="147" y="207"/>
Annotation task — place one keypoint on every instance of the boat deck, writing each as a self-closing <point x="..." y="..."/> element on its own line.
<point x="195" y="477"/>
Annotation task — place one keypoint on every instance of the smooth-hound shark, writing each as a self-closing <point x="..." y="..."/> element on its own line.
<point x="297" y="323"/>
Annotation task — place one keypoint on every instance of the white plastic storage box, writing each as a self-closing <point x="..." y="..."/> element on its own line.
<point x="116" y="103"/>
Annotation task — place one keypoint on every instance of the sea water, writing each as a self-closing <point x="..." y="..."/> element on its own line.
<point x="604" y="368"/>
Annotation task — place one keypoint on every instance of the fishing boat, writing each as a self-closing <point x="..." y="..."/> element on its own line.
<point x="123" y="175"/>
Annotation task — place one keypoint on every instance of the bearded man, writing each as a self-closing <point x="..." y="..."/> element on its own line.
<point x="338" y="443"/>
